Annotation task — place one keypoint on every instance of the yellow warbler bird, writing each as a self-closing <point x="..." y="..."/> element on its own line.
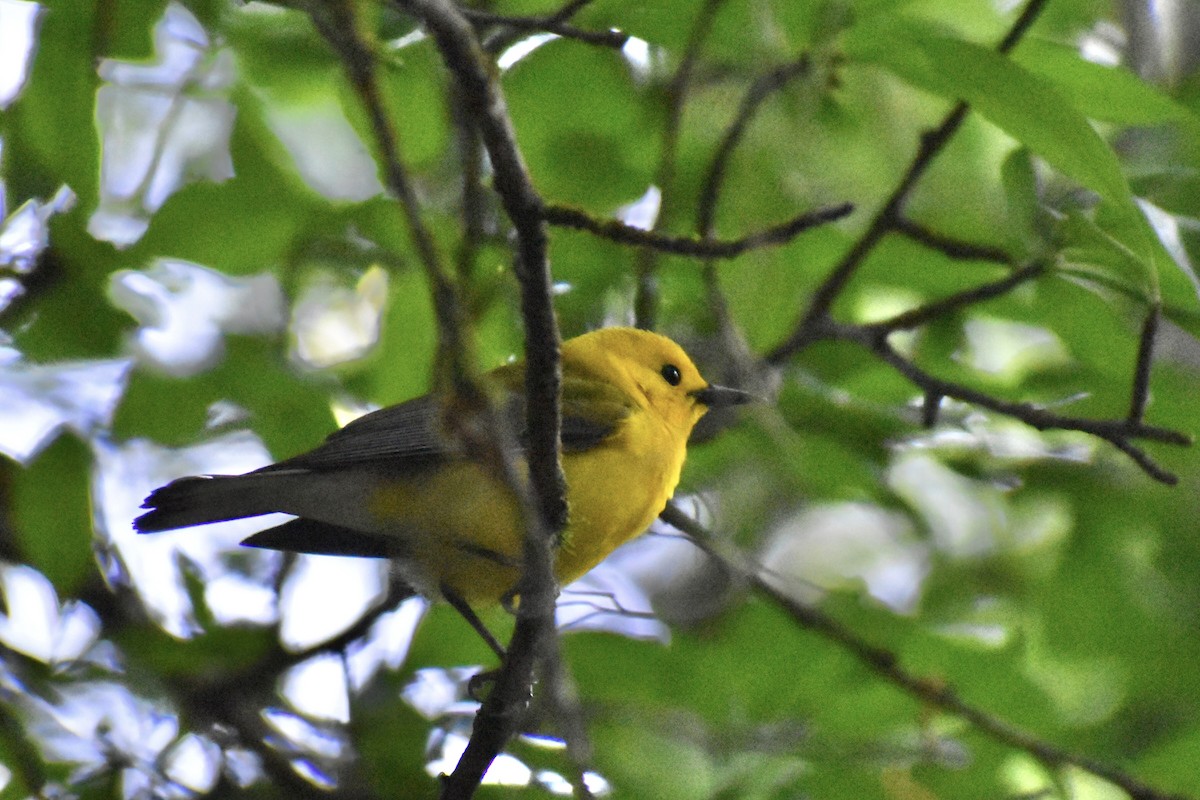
<point x="391" y="485"/>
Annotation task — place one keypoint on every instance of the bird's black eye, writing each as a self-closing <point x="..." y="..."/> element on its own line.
<point x="670" y="374"/>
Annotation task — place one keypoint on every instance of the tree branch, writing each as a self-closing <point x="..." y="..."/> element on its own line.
<point x="890" y="215"/>
<point x="485" y="103"/>
<point x="617" y="231"/>
<point x="533" y="638"/>
<point x="885" y="664"/>
<point x="937" y="309"/>
<point x="1120" y="433"/>
<point x="543" y="509"/>
<point x="948" y="245"/>
<point x="336" y="22"/>
<point x="548" y="24"/>
<point x="498" y="42"/>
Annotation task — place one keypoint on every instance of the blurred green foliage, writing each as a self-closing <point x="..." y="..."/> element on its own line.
<point x="1072" y="612"/>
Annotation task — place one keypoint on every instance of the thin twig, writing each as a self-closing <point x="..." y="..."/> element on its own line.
<point x="948" y="245"/>
<point x="1119" y="432"/>
<point x="889" y="215"/>
<point x="645" y="302"/>
<point x="761" y="89"/>
<point x="885" y="664"/>
<point x="336" y="22"/>
<point x="1028" y="413"/>
<point x="502" y="39"/>
<point x="1143" y="460"/>
<point x="1021" y="26"/>
<point x="940" y="308"/>
<point x="610" y="38"/>
<point x="1141" y="373"/>
<point x="617" y="231"/>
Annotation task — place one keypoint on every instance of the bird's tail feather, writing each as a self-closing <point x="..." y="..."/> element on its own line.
<point x="216" y="498"/>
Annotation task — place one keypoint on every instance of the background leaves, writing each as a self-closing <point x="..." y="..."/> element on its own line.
<point x="922" y="580"/>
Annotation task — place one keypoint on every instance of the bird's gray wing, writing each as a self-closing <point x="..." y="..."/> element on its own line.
<point x="403" y="437"/>
<point x="409" y="436"/>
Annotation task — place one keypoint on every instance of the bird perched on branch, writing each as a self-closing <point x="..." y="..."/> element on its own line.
<point x="393" y="484"/>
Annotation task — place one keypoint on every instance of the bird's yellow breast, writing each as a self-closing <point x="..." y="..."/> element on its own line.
<point x="471" y="538"/>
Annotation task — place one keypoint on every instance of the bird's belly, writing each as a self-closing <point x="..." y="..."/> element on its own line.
<point x="467" y="539"/>
<point x="471" y="538"/>
<point x="613" y="499"/>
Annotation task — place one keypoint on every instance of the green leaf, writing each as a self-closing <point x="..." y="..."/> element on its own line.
<point x="1024" y="105"/>
<point x="586" y="142"/>
<point x="1020" y="190"/>
<point x="1090" y="249"/>
<point x="51" y="514"/>
<point x="1111" y="94"/>
<point x="128" y="31"/>
<point x="289" y="411"/>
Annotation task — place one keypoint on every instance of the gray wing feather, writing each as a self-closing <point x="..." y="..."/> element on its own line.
<point x="407" y="437"/>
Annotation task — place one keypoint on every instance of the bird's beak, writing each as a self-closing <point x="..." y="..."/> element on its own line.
<point x="715" y="396"/>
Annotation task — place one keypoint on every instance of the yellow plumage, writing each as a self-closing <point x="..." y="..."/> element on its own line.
<point x="391" y="485"/>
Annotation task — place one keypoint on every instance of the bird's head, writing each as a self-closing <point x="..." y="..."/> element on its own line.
<point x="652" y="370"/>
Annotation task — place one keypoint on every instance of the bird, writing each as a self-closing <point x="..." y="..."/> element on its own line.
<point x="394" y="484"/>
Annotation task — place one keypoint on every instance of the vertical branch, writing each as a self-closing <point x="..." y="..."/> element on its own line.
<point x="533" y="637"/>
<point x="474" y="206"/>
<point x="484" y="104"/>
<point x="645" y="306"/>
<point x="1145" y="357"/>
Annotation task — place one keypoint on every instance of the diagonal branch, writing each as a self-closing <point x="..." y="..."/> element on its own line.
<point x="889" y="216"/>
<point x="762" y="88"/>
<point x="881" y="225"/>
<point x="948" y="245"/>
<point x="337" y="24"/>
<point x="886" y="665"/>
<point x="922" y="315"/>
